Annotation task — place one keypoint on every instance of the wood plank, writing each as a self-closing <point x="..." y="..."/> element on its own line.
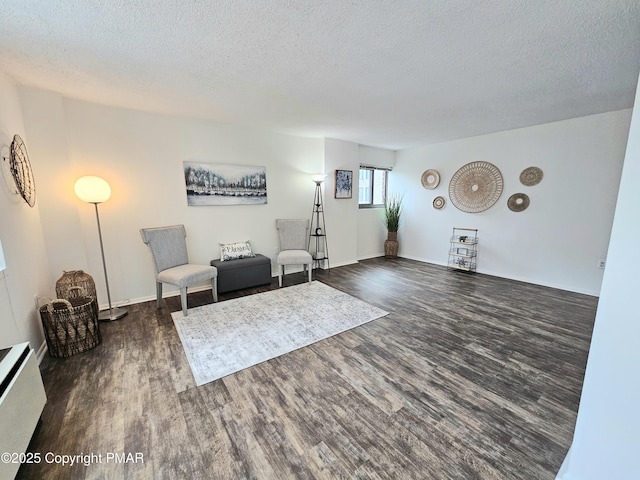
<point x="480" y="385"/>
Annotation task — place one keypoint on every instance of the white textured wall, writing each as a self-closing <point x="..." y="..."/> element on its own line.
<point x="558" y="240"/>
<point x="27" y="269"/>
<point x="342" y="213"/>
<point x="44" y="116"/>
<point x="607" y="436"/>
<point x="141" y="156"/>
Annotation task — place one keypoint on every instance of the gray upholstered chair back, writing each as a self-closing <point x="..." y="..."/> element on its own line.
<point x="294" y="234"/>
<point x="167" y="244"/>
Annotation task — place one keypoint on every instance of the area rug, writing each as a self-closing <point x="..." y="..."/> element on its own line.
<point x="225" y="337"/>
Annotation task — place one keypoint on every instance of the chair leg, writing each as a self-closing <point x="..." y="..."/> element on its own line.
<point x="280" y="274"/>
<point x="310" y="272"/>
<point x="183" y="300"/>
<point x="214" y="288"/>
<point x="158" y="294"/>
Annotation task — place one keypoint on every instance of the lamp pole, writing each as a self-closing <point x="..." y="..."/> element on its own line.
<point x="112" y="313"/>
<point x="96" y="190"/>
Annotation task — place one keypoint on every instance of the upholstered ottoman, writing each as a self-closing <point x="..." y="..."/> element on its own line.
<point x="242" y="272"/>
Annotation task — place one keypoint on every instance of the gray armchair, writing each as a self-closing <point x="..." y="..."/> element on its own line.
<point x="169" y="251"/>
<point x="294" y="241"/>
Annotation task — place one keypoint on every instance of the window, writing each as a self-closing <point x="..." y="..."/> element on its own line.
<point x="372" y="190"/>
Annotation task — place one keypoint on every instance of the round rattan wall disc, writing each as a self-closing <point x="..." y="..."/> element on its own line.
<point x="518" y="202"/>
<point x="438" y="203"/>
<point x="531" y="176"/>
<point x="430" y="179"/>
<point x="476" y="187"/>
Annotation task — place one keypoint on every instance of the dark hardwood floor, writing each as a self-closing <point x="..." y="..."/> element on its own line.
<point x="469" y="377"/>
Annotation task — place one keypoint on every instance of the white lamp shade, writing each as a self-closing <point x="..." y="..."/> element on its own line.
<point x="92" y="189"/>
<point x="318" y="177"/>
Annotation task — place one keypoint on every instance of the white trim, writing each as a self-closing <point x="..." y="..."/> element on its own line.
<point x="42" y="351"/>
<point x="3" y="263"/>
<point x="341" y="264"/>
<point x="202" y="288"/>
<point x="369" y="257"/>
<point x="376" y="167"/>
<point x="511" y="277"/>
<point x="563" y="472"/>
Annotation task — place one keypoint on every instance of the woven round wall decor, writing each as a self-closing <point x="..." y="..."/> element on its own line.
<point x="438" y="202"/>
<point x="475" y="187"/>
<point x="21" y="171"/>
<point x="518" y="202"/>
<point x="430" y="179"/>
<point x="531" y="176"/>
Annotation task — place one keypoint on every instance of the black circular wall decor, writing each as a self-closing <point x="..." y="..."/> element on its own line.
<point x="21" y="170"/>
<point x="518" y="202"/>
<point x="475" y="187"/>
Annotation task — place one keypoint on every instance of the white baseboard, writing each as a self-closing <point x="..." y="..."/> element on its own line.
<point x="342" y="264"/>
<point x="149" y="298"/>
<point x="513" y="277"/>
<point x="367" y="257"/>
<point x="176" y="293"/>
<point x="42" y="351"/>
<point x="562" y="473"/>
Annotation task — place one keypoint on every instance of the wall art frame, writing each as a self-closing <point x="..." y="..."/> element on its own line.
<point x="343" y="184"/>
<point x="224" y="184"/>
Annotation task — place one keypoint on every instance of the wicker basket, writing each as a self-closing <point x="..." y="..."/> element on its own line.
<point x="76" y="283"/>
<point x="70" y="326"/>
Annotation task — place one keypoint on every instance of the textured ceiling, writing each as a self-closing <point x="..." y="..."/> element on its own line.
<point x="383" y="73"/>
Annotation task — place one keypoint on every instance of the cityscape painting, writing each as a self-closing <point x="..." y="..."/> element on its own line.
<point x="225" y="184"/>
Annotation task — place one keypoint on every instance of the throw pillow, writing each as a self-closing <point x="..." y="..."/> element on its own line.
<point x="231" y="251"/>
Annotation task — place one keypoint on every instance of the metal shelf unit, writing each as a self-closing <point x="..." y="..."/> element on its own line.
<point x="463" y="249"/>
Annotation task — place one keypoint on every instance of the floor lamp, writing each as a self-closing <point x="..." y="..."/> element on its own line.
<point x="317" y="228"/>
<point x="96" y="190"/>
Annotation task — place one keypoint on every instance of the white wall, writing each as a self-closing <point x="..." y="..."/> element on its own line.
<point x="359" y="233"/>
<point x="44" y="116"/>
<point x="607" y="436"/>
<point x="27" y="269"/>
<point x="342" y="213"/>
<point x="558" y="240"/>
<point x="141" y="156"/>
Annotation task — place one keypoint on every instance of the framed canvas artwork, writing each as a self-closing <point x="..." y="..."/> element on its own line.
<point x="344" y="183"/>
<point x="224" y="184"/>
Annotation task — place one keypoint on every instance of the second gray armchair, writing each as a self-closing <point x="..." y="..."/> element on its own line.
<point x="294" y="241"/>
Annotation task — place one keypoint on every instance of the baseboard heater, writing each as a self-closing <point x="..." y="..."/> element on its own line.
<point x="22" y="399"/>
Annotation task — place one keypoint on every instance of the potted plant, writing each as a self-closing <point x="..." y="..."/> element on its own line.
<point x="392" y="212"/>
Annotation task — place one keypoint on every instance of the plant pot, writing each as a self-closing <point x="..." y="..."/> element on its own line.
<point x="391" y="245"/>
